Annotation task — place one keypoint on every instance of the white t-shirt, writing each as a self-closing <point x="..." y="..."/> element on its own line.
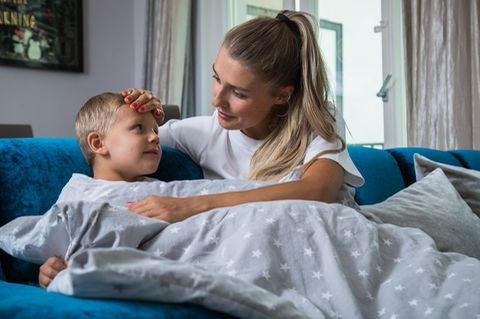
<point x="226" y="154"/>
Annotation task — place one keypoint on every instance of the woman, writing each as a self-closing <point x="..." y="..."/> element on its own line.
<point x="273" y="122"/>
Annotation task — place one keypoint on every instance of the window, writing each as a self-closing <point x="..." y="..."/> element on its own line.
<point x="361" y="45"/>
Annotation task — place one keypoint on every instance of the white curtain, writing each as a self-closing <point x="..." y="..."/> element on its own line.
<point x="168" y="48"/>
<point x="443" y="73"/>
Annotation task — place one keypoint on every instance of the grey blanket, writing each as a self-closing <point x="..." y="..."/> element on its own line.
<point x="281" y="259"/>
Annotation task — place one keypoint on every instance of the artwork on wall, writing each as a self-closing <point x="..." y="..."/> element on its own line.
<point x="43" y="34"/>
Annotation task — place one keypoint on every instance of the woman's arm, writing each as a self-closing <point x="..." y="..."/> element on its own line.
<point x="321" y="181"/>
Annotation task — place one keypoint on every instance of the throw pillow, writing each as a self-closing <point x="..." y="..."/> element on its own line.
<point x="433" y="205"/>
<point x="466" y="181"/>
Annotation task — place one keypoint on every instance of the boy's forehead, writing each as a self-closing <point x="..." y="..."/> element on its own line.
<point x="126" y="113"/>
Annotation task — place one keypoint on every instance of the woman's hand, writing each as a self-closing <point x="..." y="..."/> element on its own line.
<point x="169" y="209"/>
<point x="49" y="270"/>
<point x="144" y="101"/>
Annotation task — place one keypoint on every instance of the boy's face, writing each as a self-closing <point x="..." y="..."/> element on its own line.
<point x="133" y="144"/>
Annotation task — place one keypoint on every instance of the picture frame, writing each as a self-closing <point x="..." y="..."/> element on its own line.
<point x="42" y="34"/>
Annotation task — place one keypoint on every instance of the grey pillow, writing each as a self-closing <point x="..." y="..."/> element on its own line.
<point x="433" y="205"/>
<point x="466" y="181"/>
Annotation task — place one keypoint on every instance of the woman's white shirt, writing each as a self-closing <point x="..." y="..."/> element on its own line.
<point x="227" y="153"/>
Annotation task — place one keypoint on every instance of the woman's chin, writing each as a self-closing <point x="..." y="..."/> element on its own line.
<point x="227" y="124"/>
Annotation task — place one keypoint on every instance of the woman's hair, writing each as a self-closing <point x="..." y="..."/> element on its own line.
<point x="96" y="115"/>
<point x="284" y="52"/>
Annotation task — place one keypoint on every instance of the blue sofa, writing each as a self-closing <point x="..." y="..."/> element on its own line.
<point x="34" y="170"/>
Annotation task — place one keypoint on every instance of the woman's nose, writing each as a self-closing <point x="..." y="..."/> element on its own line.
<point x="218" y="97"/>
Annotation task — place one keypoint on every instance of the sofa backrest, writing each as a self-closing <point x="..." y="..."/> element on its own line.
<point x="380" y="170"/>
<point x="404" y="158"/>
<point x="388" y="171"/>
<point x="34" y="170"/>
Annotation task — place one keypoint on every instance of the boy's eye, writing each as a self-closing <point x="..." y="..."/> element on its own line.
<point x="138" y="127"/>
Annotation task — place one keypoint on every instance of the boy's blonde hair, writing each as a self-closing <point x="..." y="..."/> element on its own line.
<point x="96" y="115"/>
<point x="282" y="54"/>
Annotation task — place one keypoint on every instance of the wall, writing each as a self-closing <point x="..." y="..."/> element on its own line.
<point x="114" y="31"/>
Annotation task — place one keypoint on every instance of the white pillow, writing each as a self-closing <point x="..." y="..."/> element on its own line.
<point x="433" y="205"/>
<point x="466" y="181"/>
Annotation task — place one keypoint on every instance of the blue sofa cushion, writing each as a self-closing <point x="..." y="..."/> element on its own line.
<point x="32" y="174"/>
<point x="22" y="301"/>
<point x="33" y="171"/>
<point x="176" y="165"/>
<point x="380" y="171"/>
<point x="468" y="158"/>
<point x="404" y="157"/>
<point x="36" y="169"/>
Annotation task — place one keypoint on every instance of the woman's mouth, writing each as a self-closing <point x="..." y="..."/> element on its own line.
<point x="225" y="116"/>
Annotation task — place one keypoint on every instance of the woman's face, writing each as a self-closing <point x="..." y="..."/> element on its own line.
<point x="242" y="100"/>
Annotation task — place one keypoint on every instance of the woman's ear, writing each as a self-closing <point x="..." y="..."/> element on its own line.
<point x="96" y="143"/>
<point x="284" y="94"/>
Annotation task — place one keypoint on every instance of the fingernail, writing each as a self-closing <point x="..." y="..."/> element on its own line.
<point x="141" y="108"/>
<point x="130" y="203"/>
<point x="128" y="98"/>
<point x="124" y="93"/>
<point x="133" y="105"/>
<point x="157" y="112"/>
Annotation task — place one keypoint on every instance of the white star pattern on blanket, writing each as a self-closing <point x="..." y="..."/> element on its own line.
<point x="327" y="259"/>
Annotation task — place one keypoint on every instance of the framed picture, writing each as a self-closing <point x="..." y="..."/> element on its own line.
<point x="43" y="34"/>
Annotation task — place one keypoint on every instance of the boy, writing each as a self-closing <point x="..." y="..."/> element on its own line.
<point x="119" y="143"/>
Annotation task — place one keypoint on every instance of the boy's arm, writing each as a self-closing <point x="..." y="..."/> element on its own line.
<point x="49" y="270"/>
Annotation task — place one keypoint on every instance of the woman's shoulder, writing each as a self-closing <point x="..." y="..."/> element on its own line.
<point x="199" y="124"/>
<point x="318" y="144"/>
<point x="190" y="121"/>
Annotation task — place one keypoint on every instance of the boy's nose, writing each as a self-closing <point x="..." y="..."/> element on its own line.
<point x="154" y="137"/>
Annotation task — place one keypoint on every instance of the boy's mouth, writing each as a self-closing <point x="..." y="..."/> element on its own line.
<point x="152" y="151"/>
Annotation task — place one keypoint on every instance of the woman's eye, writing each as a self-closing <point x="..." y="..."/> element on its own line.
<point x="239" y="95"/>
<point x="216" y="78"/>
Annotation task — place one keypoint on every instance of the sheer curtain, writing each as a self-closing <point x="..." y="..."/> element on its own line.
<point x="168" y="61"/>
<point x="443" y="73"/>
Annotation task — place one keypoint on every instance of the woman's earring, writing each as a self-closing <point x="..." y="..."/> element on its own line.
<point x="282" y="111"/>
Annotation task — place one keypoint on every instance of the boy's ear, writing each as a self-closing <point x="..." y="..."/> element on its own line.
<point x="284" y="94"/>
<point x="96" y="143"/>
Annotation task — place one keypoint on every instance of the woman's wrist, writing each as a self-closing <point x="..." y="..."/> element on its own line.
<point x="200" y="204"/>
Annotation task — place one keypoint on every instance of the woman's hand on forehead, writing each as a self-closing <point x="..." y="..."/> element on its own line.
<point x="144" y="101"/>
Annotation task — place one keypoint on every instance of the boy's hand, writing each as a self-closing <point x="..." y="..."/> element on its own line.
<point x="49" y="270"/>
